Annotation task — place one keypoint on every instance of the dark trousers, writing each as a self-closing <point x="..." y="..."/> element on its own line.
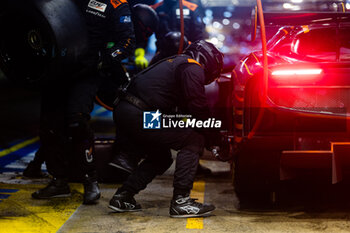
<point x="156" y="145"/>
<point x="65" y="135"/>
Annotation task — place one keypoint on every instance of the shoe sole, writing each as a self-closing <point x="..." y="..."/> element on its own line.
<point x="192" y="215"/>
<point x="121" y="210"/>
<point x="120" y="167"/>
<point x="56" y="196"/>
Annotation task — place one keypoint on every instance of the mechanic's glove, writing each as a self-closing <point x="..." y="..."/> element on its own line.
<point x="109" y="56"/>
<point x="140" y="60"/>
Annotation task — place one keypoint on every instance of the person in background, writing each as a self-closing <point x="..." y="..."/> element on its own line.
<point x="169" y="17"/>
<point x="169" y="46"/>
<point x="65" y="133"/>
<point x="146" y="22"/>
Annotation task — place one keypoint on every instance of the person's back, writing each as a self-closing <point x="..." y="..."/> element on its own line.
<point x="177" y="82"/>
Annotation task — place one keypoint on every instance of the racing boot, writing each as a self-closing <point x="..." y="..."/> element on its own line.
<point x="182" y="206"/>
<point x="56" y="188"/>
<point x="124" y="201"/>
<point x="124" y="162"/>
<point x="91" y="190"/>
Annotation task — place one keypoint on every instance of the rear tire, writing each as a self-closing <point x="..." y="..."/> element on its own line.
<point x="41" y="39"/>
<point x="256" y="178"/>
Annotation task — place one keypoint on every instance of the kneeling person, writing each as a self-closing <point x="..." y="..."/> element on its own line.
<point x="175" y="83"/>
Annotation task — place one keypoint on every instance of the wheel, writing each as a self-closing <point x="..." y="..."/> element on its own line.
<point x="40" y="38"/>
<point x="256" y="176"/>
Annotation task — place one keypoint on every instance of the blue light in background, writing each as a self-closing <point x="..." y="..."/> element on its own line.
<point x="227" y="14"/>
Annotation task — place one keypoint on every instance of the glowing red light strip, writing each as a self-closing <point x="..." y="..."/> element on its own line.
<point x="297" y="72"/>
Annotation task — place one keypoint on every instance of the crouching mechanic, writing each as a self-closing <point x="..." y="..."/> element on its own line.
<point x="177" y="82"/>
<point x="65" y="134"/>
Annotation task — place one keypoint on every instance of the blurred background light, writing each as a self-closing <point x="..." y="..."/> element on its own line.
<point x="236" y="25"/>
<point x="225" y="22"/>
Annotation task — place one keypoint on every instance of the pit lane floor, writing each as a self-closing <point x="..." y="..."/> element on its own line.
<point x="302" y="208"/>
<point x="301" y="211"/>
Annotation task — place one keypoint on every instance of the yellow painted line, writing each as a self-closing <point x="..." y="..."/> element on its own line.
<point x="18" y="146"/>
<point x="21" y="213"/>
<point x="197" y="192"/>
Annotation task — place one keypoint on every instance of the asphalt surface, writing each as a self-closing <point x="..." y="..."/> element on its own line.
<point x="300" y="206"/>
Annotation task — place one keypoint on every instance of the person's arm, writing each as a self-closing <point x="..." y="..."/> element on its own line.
<point x="122" y="28"/>
<point x="193" y="81"/>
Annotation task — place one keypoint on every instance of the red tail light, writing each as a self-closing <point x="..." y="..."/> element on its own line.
<point x="297" y="72"/>
<point x="296" y="75"/>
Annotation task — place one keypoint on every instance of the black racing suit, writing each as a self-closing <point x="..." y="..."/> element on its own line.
<point x="169" y="21"/>
<point x="65" y="133"/>
<point x="170" y="84"/>
<point x="147" y="2"/>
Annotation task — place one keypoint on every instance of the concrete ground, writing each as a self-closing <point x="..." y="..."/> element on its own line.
<point x="298" y="212"/>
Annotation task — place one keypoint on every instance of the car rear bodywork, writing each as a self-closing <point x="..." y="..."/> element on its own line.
<point x="302" y="124"/>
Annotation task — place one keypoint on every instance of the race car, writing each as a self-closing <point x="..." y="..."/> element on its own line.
<point x="291" y="117"/>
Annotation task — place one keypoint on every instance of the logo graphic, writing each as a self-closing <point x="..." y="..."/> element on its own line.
<point x="190" y="209"/>
<point x="151" y="120"/>
<point x="116" y="53"/>
<point x="88" y="155"/>
<point x="97" y="5"/>
<point x="117" y="3"/>
<point x="129" y="205"/>
<point x="125" y="19"/>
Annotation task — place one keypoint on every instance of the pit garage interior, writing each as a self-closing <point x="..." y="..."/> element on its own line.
<point x="307" y="204"/>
